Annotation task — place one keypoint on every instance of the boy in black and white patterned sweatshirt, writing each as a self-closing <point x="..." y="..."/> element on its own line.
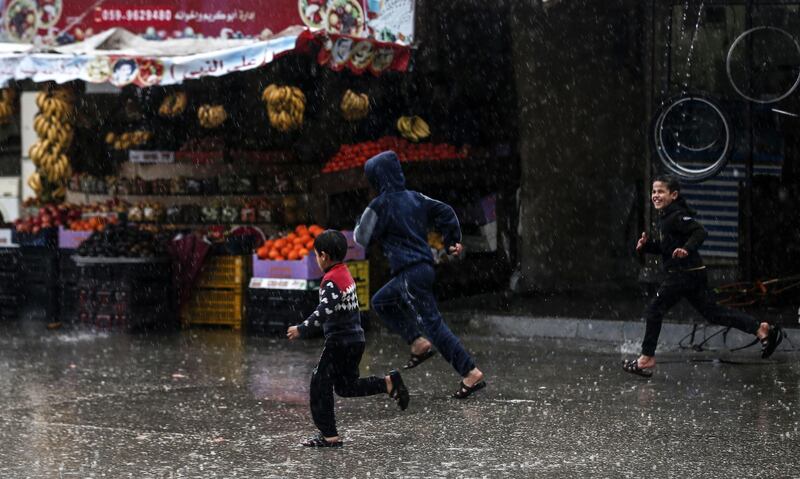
<point x="338" y="317"/>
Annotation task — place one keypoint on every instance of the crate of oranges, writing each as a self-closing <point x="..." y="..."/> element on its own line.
<point x="292" y="255"/>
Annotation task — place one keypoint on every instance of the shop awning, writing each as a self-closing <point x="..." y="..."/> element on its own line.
<point x="121" y="58"/>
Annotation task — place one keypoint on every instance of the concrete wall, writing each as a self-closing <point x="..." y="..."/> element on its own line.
<point x="582" y="141"/>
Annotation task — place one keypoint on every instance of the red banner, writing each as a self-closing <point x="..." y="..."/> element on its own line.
<point x="65" y="21"/>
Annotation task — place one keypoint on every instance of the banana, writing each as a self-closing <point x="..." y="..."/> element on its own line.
<point x="266" y="95"/>
<point x="420" y="127"/>
<point x="173" y="105"/>
<point x="35" y="182"/>
<point x="40" y="98"/>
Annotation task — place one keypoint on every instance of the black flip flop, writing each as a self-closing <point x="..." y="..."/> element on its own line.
<point x="771" y="342"/>
<point x="465" y="391"/>
<point x="399" y="391"/>
<point x="632" y="366"/>
<point x="417" y="359"/>
<point x="320" y="441"/>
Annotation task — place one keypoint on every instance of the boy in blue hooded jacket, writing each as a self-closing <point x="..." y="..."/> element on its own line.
<point x="400" y="220"/>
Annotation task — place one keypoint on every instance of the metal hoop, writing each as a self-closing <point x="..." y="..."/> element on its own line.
<point x="690" y="174"/>
<point x="730" y="56"/>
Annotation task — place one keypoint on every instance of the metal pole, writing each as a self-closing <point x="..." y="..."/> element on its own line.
<point x="747" y="226"/>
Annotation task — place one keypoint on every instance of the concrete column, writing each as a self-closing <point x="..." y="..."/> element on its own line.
<point x="578" y="68"/>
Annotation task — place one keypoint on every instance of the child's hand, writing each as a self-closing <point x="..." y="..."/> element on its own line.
<point x="292" y="333"/>
<point x="680" y="253"/>
<point x="642" y="241"/>
<point x="456" y="249"/>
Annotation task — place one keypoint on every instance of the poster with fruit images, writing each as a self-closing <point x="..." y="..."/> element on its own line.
<point x="62" y="21"/>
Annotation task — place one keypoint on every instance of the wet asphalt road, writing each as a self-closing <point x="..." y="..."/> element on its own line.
<point x="216" y="404"/>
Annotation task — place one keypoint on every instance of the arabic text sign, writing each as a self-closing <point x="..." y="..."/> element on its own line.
<point x="28" y="20"/>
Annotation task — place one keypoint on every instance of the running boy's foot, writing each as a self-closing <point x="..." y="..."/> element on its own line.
<point x="646" y="362"/>
<point x="471" y="383"/>
<point x="771" y="341"/>
<point x="320" y="441"/>
<point x="420" y="346"/>
<point x="397" y="389"/>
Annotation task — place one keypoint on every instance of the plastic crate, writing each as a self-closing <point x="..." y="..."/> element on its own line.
<point x="359" y="270"/>
<point x="225" y="272"/>
<point x="273" y="310"/>
<point x="67" y="269"/>
<point x="9" y="282"/>
<point x="38" y="301"/>
<point x="214" y="307"/>
<point x="39" y="265"/>
<point x="46" y="238"/>
<point x="157" y="270"/>
<point x="10" y="259"/>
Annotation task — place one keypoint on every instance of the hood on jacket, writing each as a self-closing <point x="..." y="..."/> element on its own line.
<point x="385" y="173"/>
<point x="679" y="204"/>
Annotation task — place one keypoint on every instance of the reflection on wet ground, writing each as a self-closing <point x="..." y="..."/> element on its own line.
<point x="214" y="403"/>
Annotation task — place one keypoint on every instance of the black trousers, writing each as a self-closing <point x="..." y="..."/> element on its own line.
<point x="338" y="371"/>
<point x="692" y="285"/>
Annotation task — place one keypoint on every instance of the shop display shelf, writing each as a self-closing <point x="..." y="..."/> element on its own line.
<point x="78" y="197"/>
<point x="222" y="307"/>
<point x="225" y="272"/>
<point x="462" y="173"/>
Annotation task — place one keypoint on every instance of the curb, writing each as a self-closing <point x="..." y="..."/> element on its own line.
<point x="626" y="334"/>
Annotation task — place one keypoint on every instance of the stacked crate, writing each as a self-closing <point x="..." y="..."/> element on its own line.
<point x="217" y="298"/>
<point x="10" y="262"/>
<point x="39" y="283"/>
<point x="123" y="294"/>
<point x="68" y="274"/>
<point x="274" y="304"/>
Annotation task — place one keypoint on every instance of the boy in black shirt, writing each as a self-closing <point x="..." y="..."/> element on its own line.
<point x="338" y="318"/>
<point x="679" y="237"/>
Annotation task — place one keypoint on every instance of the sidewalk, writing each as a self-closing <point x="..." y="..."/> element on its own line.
<point x="606" y="319"/>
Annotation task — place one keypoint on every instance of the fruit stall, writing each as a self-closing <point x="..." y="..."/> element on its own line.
<point x="196" y="202"/>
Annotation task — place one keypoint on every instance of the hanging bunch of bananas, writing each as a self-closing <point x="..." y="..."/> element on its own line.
<point x="50" y="160"/>
<point x="286" y="106"/>
<point x="57" y="103"/>
<point x="7" y="97"/>
<point x="173" y="105"/>
<point x="211" y="116"/>
<point x="354" y="106"/>
<point x="51" y="129"/>
<point x="53" y="126"/>
<point x="413" y="128"/>
<point x="128" y="139"/>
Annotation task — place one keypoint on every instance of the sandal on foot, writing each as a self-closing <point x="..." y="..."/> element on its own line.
<point x="417" y="359"/>
<point x="320" y="441"/>
<point x="771" y="342"/>
<point x="399" y="391"/>
<point x="465" y="391"/>
<point x="632" y="366"/>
